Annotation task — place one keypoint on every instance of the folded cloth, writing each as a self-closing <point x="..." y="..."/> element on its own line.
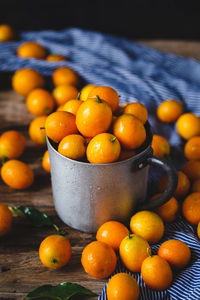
<point x="138" y="73"/>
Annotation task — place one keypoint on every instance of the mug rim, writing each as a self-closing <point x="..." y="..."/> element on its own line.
<point x="133" y="158"/>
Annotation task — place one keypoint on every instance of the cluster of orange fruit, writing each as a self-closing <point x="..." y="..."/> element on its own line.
<point x="147" y="227"/>
<point x="92" y="127"/>
<point x="187" y="125"/>
<point x="99" y="257"/>
<point x="14" y="172"/>
<point x="93" y="123"/>
<point x="30" y="49"/>
<point x="102" y="105"/>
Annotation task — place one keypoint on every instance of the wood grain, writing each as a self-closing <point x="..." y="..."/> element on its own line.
<point x="20" y="267"/>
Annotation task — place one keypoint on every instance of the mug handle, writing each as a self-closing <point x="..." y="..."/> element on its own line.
<point x="172" y="183"/>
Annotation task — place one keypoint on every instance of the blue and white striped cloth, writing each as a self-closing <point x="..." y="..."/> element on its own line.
<point x="137" y="73"/>
<point x="186" y="283"/>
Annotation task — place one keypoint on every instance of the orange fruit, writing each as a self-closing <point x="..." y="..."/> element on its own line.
<point x="130" y="131"/>
<point x="72" y="106"/>
<point x="168" y="211"/>
<point x="85" y="91"/>
<point x="188" y="125"/>
<point x="107" y="94"/>
<point x="72" y="146"/>
<point x="192" y="148"/>
<point x="122" y="286"/>
<point x="133" y="251"/>
<point x="25" y="80"/>
<point x="65" y="75"/>
<point x="55" y="251"/>
<point x="198" y="230"/>
<point x="191" y="208"/>
<point x="156" y="273"/>
<point x="40" y="102"/>
<point x="148" y="225"/>
<point x="99" y="259"/>
<point x="64" y="93"/>
<point x="46" y="162"/>
<point x="6" y="33"/>
<point x="169" y="111"/>
<point x="55" y="57"/>
<point x="17" y="174"/>
<point x="138" y="110"/>
<point x="125" y="154"/>
<point x="196" y="186"/>
<point x="103" y="148"/>
<point x="94" y="116"/>
<point x="192" y="169"/>
<point x="112" y="233"/>
<point x="12" y="144"/>
<point x="183" y="186"/>
<point x="36" y="130"/>
<point x="176" y="253"/>
<point x="60" y="124"/>
<point x="31" y="50"/>
<point x="160" y="145"/>
<point x="5" y="220"/>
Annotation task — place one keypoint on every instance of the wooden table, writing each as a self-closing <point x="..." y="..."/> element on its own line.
<point x="20" y="267"/>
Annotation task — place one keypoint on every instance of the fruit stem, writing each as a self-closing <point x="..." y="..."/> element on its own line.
<point x="113" y="139"/>
<point x="54" y="261"/>
<point x="129" y="235"/>
<point x="17" y="212"/>
<point x="98" y="99"/>
<point x="42" y="127"/>
<point x="11" y="209"/>
<point x="78" y="97"/>
<point x="149" y="253"/>
<point x="47" y="110"/>
<point x="59" y="231"/>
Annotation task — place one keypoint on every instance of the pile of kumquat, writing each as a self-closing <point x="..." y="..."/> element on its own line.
<point x="91" y="126"/>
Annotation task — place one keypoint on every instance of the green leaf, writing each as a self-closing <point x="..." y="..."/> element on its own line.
<point x="34" y="216"/>
<point x="62" y="291"/>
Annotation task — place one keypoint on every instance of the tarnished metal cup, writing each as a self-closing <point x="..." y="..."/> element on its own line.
<point x="87" y="195"/>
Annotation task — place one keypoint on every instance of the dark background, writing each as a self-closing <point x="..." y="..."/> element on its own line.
<point x="134" y="19"/>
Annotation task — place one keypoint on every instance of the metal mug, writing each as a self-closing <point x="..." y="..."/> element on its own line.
<point x="87" y="195"/>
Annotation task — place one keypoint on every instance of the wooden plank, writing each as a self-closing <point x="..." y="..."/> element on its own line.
<point x="20" y="267"/>
<point x="181" y="47"/>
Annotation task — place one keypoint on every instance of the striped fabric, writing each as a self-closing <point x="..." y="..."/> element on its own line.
<point x="186" y="283"/>
<point x="138" y="73"/>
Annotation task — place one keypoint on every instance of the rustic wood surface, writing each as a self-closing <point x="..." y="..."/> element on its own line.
<point x="20" y="267"/>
